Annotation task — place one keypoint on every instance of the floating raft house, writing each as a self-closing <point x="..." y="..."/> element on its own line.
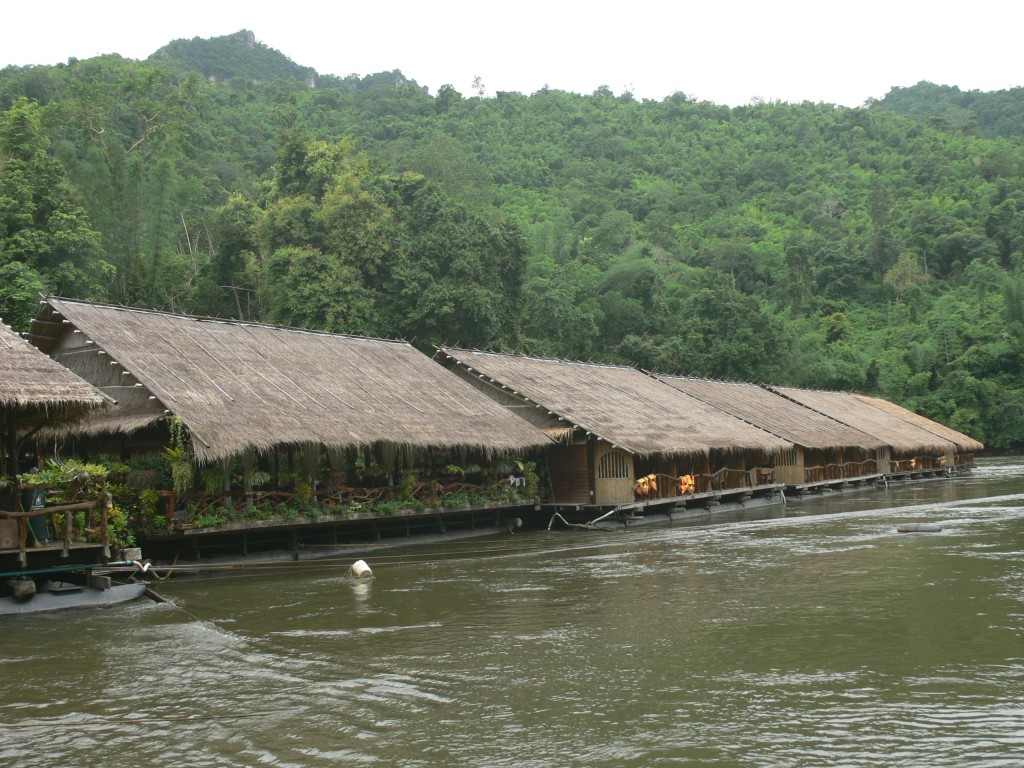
<point x="825" y="450"/>
<point x="616" y="425"/>
<point x="914" y="443"/>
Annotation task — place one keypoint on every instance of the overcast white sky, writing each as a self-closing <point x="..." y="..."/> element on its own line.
<point x="723" y="51"/>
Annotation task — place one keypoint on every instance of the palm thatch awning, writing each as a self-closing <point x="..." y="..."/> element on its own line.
<point x="851" y="409"/>
<point x="31" y="381"/>
<point x="779" y="415"/>
<point x="622" y="406"/>
<point x="242" y="387"/>
<point x="964" y="442"/>
<point x="35" y="391"/>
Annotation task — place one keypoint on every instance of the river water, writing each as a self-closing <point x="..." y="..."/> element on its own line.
<point x="806" y="635"/>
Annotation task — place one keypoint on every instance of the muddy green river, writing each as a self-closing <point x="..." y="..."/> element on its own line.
<point x="810" y="634"/>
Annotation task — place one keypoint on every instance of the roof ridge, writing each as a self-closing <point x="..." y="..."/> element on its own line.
<point x="223" y="320"/>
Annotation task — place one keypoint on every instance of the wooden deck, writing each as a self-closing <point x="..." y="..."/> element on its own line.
<point x="839" y="483"/>
<point x="586" y="515"/>
<point x="329" y="530"/>
<point x="704" y="498"/>
<point x="18" y="539"/>
<point x="52" y="556"/>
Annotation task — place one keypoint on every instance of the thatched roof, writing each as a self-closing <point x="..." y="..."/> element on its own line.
<point x="850" y="409"/>
<point x="964" y="442"/>
<point x="31" y="380"/>
<point x="779" y="415"/>
<point x="243" y="386"/>
<point x="622" y="406"/>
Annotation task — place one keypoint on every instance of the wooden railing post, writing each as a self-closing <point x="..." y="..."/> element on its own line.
<point x="68" y="522"/>
<point x="22" y="536"/>
<point x="106" y="502"/>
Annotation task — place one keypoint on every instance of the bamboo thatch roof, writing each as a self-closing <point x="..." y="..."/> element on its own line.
<point x="851" y="409"/>
<point x="246" y="387"/>
<point x="622" y="406"/>
<point x="779" y="415"/>
<point x="964" y="442"/>
<point x="29" y="379"/>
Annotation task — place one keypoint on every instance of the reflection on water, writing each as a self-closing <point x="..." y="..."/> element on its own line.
<point x="801" y="636"/>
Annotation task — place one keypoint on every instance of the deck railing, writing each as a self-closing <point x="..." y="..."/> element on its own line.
<point x="918" y="464"/>
<point x="846" y="471"/>
<point x="666" y="487"/>
<point x="67" y="510"/>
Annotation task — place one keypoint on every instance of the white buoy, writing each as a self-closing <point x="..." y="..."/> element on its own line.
<point x="360" y="569"/>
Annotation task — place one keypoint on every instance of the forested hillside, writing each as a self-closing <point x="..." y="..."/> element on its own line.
<point x="876" y="249"/>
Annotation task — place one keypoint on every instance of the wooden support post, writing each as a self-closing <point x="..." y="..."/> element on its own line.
<point x="172" y="502"/>
<point x="105" y="504"/>
<point x="69" y="521"/>
<point x="22" y="535"/>
<point x="12" y="451"/>
<point x="591" y="471"/>
<point x="226" y="465"/>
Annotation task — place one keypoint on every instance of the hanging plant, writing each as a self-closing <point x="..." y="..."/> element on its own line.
<point x="179" y="455"/>
<point x="213" y="479"/>
<point x="256" y="479"/>
<point x="182" y="468"/>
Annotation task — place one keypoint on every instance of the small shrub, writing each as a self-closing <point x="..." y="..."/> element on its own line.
<point x="385" y="508"/>
<point x="118" y="530"/>
<point x="303" y="494"/>
<point x="406" y="487"/>
<point x="150" y="518"/>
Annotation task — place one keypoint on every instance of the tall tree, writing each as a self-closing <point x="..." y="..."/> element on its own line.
<point x="42" y="226"/>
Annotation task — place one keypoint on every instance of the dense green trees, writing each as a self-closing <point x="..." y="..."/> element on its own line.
<point x="237" y="55"/>
<point x="46" y="241"/>
<point x="337" y="243"/>
<point x="879" y="249"/>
